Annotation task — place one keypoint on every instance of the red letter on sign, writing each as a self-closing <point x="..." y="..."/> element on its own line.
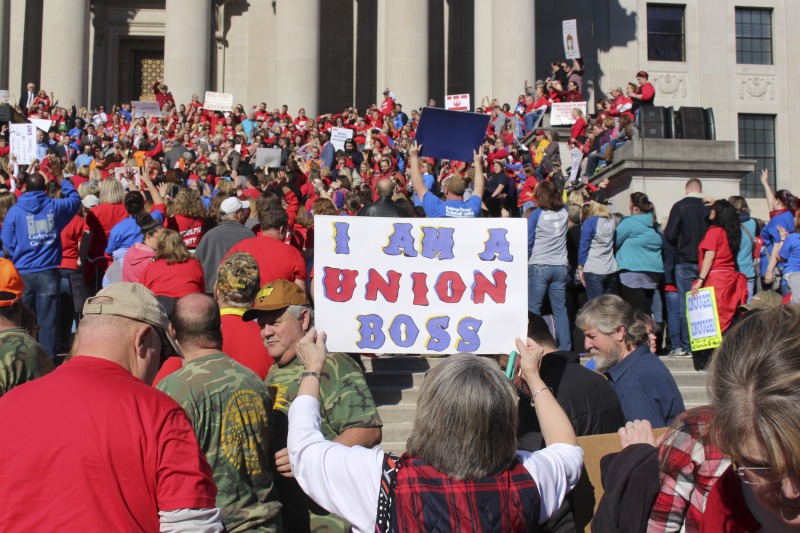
<point x="389" y="290"/>
<point x="339" y="284"/>
<point x="482" y="287"/>
<point x="450" y="287"/>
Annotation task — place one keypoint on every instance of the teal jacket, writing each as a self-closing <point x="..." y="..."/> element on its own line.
<point x="638" y="245"/>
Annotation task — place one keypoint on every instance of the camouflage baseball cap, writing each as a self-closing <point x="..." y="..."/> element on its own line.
<point x="238" y="277"/>
<point x="11" y="284"/>
<point x="275" y="295"/>
<point x="136" y="302"/>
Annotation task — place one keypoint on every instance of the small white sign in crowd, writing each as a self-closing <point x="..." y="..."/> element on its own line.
<point x="457" y="102"/>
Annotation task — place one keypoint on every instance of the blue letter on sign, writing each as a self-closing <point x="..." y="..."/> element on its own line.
<point x="437" y="242"/>
<point x="497" y="246"/>
<point x="437" y="329"/>
<point x="468" y="331"/>
<point x="370" y="330"/>
<point x="396" y="331"/>
<point x="341" y="237"/>
<point x="401" y="242"/>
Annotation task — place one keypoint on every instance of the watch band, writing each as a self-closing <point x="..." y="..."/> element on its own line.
<point x="306" y="374"/>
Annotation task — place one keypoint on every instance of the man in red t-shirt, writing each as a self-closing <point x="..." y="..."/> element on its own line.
<point x="275" y="258"/>
<point x="387" y="106"/>
<point x="113" y="454"/>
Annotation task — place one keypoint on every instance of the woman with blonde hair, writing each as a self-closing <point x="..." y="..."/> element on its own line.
<point x="597" y="267"/>
<point x="99" y="222"/>
<point x="174" y="272"/>
<point x="187" y="216"/>
<point x="7" y="199"/>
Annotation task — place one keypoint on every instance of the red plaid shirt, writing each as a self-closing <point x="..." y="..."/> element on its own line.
<point x="691" y="464"/>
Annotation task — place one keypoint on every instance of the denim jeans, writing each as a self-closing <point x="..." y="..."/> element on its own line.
<point x="674" y="319"/>
<point x="591" y="163"/>
<point x="685" y="275"/>
<point x="530" y="120"/>
<point x="551" y="280"/>
<point x="599" y="284"/>
<point x="41" y="296"/>
<point x="66" y="320"/>
<point x="751" y="288"/>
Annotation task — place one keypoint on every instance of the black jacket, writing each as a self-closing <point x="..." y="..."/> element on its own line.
<point x="591" y="405"/>
<point x="384" y="207"/>
<point x="688" y="222"/>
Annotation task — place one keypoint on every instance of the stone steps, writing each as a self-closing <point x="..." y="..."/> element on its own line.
<point x="395" y="381"/>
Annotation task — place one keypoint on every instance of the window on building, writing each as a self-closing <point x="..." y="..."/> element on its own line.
<point x="753" y="36"/>
<point x="757" y="141"/>
<point x="666" y="32"/>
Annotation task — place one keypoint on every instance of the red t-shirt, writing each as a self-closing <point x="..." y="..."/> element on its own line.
<point x="251" y="192"/>
<point x="70" y="241"/>
<point x="100" y="219"/>
<point x="191" y="229"/>
<point x="716" y="240"/>
<point x="112" y="453"/>
<point x="276" y="259"/>
<point x="175" y="280"/>
<point x="240" y="340"/>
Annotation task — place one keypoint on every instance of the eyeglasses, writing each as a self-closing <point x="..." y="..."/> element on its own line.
<point x="760" y="475"/>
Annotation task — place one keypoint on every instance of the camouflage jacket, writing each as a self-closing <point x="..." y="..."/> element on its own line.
<point x="21" y="359"/>
<point x="228" y="406"/>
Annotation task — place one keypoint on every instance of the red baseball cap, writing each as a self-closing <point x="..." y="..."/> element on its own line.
<point x="11" y="284"/>
<point x="642" y="74"/>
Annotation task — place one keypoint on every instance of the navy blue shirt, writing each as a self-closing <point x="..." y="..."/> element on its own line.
<point x="646" y="388"/>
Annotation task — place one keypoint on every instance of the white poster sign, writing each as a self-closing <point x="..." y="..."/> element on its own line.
<point x="218" y="101"/>
<point x="270" y="157"/>
<point x="145" y="109"/>
<point x="5" y="98"/>
<point x="457" y="102"/>
<point x="703" y="318"/>
<point x="569" y="29"/>
<point x="22" y="142"/>
<point x="389" y="285"/>
<point x="41" y="123"/>
<point x="339" y="136"/>
<point x="561" y="113"/>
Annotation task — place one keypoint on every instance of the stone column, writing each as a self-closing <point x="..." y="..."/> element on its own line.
<point x="405" y="57"/>
<point x="5" y="34"/>
<point x="65" y="61"/>
<point x="187" y="48"/>
<point x="297" y="56"/>
<point x="482" y="39"/>
<point x="513" y="47"/>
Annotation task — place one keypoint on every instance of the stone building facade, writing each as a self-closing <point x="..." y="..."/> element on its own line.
<point x="732" y="55"/>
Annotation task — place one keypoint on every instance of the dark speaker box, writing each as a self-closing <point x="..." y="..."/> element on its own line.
<point x="5" y="113"/>
<point x="671" y="126"/>
<point x="692" y="114"/>
<point x="693" y="130"/>
<point x="651" y="115"/>
<point x="653" y="131"/>
<point x="711" y="129"/>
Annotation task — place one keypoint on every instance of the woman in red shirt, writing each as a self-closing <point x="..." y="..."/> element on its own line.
<point x="718" y="251"/>
<point x="187" y="216"/>
<point x="174" y="272"/>
<point x="99" y="221"/>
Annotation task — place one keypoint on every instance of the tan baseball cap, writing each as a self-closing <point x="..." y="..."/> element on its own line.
<point x="134" y="301"/>
<point x="275" y="295"/>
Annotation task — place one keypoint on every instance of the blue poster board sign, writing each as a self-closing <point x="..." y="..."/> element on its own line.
<point x="447" y="134"/>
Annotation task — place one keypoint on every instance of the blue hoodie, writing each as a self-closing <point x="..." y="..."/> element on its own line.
<point x="31" y="231"/>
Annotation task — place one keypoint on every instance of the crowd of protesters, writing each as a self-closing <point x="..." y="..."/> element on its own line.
<point x="197" y="263"/>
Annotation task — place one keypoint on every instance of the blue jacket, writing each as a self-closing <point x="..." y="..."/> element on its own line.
<point x="771" y="236"/>
<point x="638" y="244"/>
<point x="596" y="249"/>
<point x="32" y="228"/>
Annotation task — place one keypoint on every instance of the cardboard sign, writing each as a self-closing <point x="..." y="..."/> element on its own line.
<point x="569" y="30"/>
<point x="390" y="285"/>
<point x="339" y="136"/>
<point x="41" y="124"/>
<point x="268" y="157"/>
<point x="128" y="174"/>
<point x="450" y="134"/>
<point x="22" y="141"/>
<point x="145" y="109"/>
<point x="561" y="113"/>
<point x="701" y="312"/>
<point x="218" y="101"/>
<point x="457" y="102"/>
